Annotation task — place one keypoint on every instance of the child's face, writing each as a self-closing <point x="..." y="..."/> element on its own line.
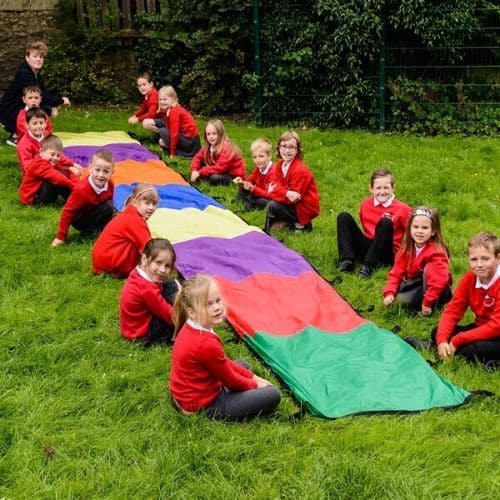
<point x="165" y="101"/>
<point x="37" y="126"/>
<point x="483" y="263"/>
<point x="213" y="312"/>
<point x="159" y="267"/>
<point x="35" y="60"/>
<point x="382" y="189"/>
<point x="144" y="86"/>
<point x="50" y="154"/>
<point x="146" y="208"/>
<point x="261" y="159"/>
<point x="100" y="171"/>
<point x="421" y="230"/>
<point x="288" y="150"/>
<point x="211" y="135"/>
<point x="32" y="99"/>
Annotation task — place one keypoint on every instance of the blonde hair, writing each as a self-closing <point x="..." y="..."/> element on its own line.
<point x="38" y="46"/>
<point x="262" y="143"/>
<point x="288" y="136"/>
<point x="143" y="191"/>
<point x="193" y="294"/>
<point x="104" y="154"/>
<point x="486" y="240"/>
<point x="169" y="91"/>
<point x="52" y="142"/>
<point x="222" y="139"/>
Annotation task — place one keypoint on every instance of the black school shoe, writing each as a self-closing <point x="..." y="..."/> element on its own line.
<point x="365" y="272"/>
<point x="416" y="343"/>
<point x="346" y="266"/>
<point x="298" y="228"/>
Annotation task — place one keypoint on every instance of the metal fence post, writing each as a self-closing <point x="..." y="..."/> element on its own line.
<point x="257" y="62"/>
<point x="381" y="85"/>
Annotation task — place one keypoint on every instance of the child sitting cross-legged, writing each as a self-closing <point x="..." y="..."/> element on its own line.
<point x="202" y="378"/>
<point x="47" y="178"/>
<point x="254" y="189"/>
<point x="383" y="219"/>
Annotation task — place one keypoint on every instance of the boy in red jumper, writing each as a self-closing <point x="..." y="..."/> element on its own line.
<point x="46" y="177"/>
<point x="32" y="97"/>
<point x="478" y="289"/>
<point x="383" y="219"/>
<point x="254" y="189"/>
<point x="89" y="207"/>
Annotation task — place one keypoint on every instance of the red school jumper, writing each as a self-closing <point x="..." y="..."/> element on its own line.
<point x="437" y="272"/>
<point x="179" y="121"/>
<point x="226" y="162"/>
<point x="140" y="300"/>
<point x="298" y="178"/>
<point x="261" y="182"/>
<point x="485" y="305"/>
<point x="118" y="248"/>
<point x="149" y="105"/>
<point x="22" y="126"/>
<point x="370" y="215"/>
<point x="81" y="200"/>
<point x="200" y="369"/>
<point x="41" y="170"/>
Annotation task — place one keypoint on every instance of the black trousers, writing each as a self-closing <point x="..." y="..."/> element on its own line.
<point x="250" y="201"/>
<point x="411" y="293"/>
<point x="95" y="220"/>
<point x="160" y="332"/>
<point x="235" y="406"/>
<point x="481" y="351"/>
<point x="218" y="179"/>
<point x="277" y="211"/>
<point x="355" y="246"/>
<point x="187" y="147"/>
<point x="48" y="193"/>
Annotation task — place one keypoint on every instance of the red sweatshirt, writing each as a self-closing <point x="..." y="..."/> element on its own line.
<point x="298" y="178"/>
<point x="225" y="163"/>
<point x="200" y="369"/>
<point x="22" y="126"/>
<point x="485" y="304"/>
<point x="118" y="248"/>
<point x="39" y="171"/>
<point x="141" y="299"/>
<point x="149" y="105"/>
<point x="179" y="121"/>
<point x="261" y="182"/>
<point x="437" y="272"/>
<point x="81" y="200"/>
<point x="29" y="148"/>
<point x="370" y="215"/>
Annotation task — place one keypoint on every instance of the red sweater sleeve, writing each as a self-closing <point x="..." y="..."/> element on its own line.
<point x="197" y="161"/>
<point x="223" y="164"/>
<point x="437" y="275"/>
<point x="158" y="306"/>
<point x="149" y="106"/>
<point x="395" y="276"/>
<point x="174" y="127"/>
<point x="27" y="150"/>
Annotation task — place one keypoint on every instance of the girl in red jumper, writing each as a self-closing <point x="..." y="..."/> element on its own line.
<point x="202" y="377"/>
<point x="220" y="161"/>
<point x="118" y="248"/>
<point x="147" y="296"/>
<point x="420" y="277"/>
<point x="149" y="102"/>
<point x="293" y="191"/>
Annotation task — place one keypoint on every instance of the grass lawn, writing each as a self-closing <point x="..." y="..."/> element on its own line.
<point x="85" y="414"/>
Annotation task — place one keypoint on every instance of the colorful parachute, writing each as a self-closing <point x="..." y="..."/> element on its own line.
<point x="334" y="362"/>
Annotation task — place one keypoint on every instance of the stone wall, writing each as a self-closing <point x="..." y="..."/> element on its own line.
<point x="20" y="22"/>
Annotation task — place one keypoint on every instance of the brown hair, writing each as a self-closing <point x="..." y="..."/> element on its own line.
<point x="155" y="245"/>
<point x="32" y="88"/>
<point x="222" y="140"/>
<point x="38" y="46"/>
<point x="431" y="213"/>
<point x="381" y="172"/>
<point x="288" y="136"/>
<point x="143" y="191"/>
<point x="486" y="240"/>
<point x="104" y="154"/>
<point x="262" y="143"/>
<point x="146" y="75"/>
<point x="35" y="113"/>
<point x="52" y="142"/>
<point x="192" y="294"/>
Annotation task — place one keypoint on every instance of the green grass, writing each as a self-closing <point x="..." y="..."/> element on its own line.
<point x="85" y="414"/>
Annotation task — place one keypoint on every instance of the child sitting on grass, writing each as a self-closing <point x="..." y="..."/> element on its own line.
<point x="147" y="296"/>
<point x="293" y="189"/>
<point x="118" y="248"/>
<point x="383" y="219"/>
<point x="254" y="189"/>
<point x="149" y="101"/>
<point x="420" y="278"/>
<point x="202" y="377"/>
<point x="478" y="289"/>
<point x="220" y="161"/>
<point x="32" y="97"/>
<point x="47" y="178"/>
<point x="90" y="205"/>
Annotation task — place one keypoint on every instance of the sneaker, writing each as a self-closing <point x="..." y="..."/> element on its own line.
<point x="365" y="272"/>
<point x="12" y="140"/>
<point x="299" y="228"/>
<point x="416" y="343"/>
<point x="346" y="266"/>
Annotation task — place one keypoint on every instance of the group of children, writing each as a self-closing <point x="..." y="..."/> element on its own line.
<point x="157" y="309"/>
